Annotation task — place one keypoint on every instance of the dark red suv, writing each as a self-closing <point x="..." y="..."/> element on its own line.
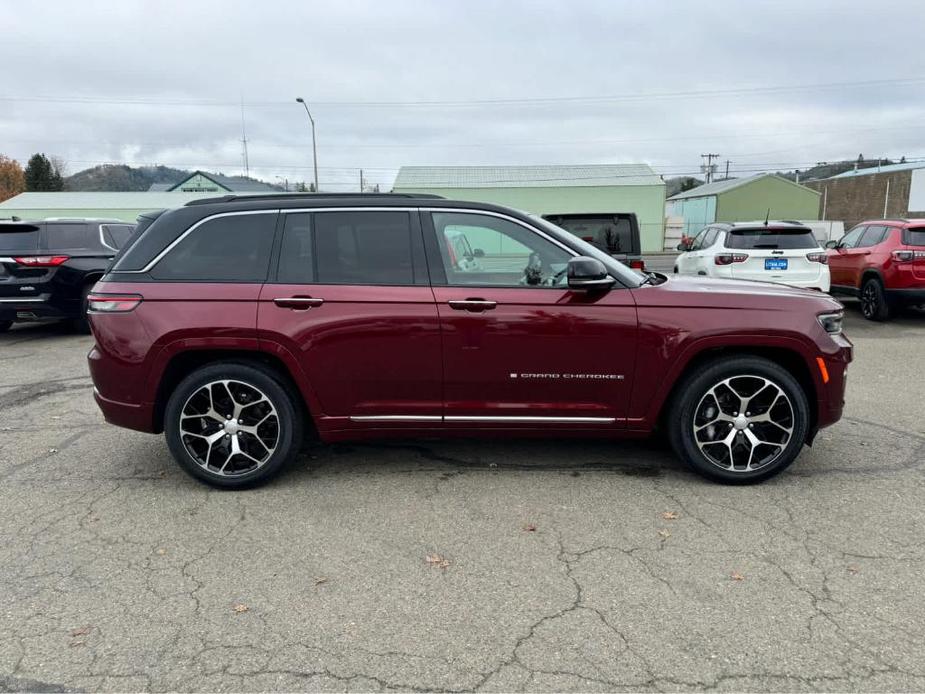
<point x="882" y="262"/>
<point x="237" y="324"/>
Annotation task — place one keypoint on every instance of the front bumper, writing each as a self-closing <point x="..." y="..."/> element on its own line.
<point x="831" y="394"/>
<point x="125" y="414"/>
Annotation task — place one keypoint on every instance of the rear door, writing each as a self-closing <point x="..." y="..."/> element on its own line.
<point x="775" y="254"/>
<point x="351" y="301"/>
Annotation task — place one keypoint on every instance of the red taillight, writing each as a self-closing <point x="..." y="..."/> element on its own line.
<point x="903" y="256"/>
<point x="730" y="258"/>
<point x="41" y="260"/>
<point x="638" y="264"/>
<point x="818" y="258"/>
<point x="113" y="303"/>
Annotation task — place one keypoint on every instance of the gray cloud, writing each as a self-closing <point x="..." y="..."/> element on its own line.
<point x="160" y="82"/>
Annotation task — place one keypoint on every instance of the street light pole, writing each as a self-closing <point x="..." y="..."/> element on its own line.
<point x="314" y="148"/>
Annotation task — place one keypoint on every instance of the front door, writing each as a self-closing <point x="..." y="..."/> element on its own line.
<point x="519" y="348"/>
<point x="351" y="303"/>
<point x="841" y="260"/>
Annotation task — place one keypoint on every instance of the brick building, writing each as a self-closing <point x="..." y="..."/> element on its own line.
<point x="896" y="190"/>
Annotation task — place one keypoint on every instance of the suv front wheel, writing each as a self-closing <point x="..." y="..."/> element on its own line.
<point x="232" y="425"/>
<point x="740" y="420"/>
<point x="874" y="304"/>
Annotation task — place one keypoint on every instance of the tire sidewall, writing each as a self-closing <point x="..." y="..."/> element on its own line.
<point x="883" y="309"/>
<point x="290" y="425"/>
<point x="693" y="391"/>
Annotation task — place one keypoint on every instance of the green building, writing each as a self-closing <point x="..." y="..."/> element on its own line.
<point x="124" y="206"/>
<point x="743" y="200"/>
<point x="551" y="190"/>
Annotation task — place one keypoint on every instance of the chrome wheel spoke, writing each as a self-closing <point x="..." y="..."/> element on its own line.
<point x="743" y="423"/>
<point x="229" y="427"/>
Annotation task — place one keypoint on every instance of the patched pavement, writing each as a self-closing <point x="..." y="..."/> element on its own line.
<point x="463" y="565"/>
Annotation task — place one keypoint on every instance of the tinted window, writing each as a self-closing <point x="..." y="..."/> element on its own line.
<point x="19" y="237"/>
<point x="296" y="256"/>
<point x="697" y="243"/>
<point x="710" y="238"/>
<point x="850" y="239"/>
<point x="116" y="235"/>
<point x="363" y="248"/>
<point x="70" y="236"/>
<point x="225" y="249"/>
<point x="771" y="238"/>
<point x="872" y="236"/>
<point x="614" y="235"/>
<point x="912" y="237"/>
<point x="485" y="251"/>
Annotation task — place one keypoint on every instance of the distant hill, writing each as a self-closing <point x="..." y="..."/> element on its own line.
<point x="122" y="178"/>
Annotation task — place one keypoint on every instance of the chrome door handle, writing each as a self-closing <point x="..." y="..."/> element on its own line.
<point x="298" y="302"/>
<point x="473" y="305"/>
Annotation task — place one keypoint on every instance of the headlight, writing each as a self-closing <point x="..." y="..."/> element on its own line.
<point x="831" y="322"/>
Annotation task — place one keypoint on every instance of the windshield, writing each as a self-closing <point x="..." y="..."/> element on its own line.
<point x="771" y="238"/>
<point x="614" y="267"/>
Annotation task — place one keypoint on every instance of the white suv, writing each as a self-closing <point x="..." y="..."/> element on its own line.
<point x="783" y="252"/>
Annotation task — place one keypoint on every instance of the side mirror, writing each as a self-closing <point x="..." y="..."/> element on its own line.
<point x="478" y="253"/>
<point x="588" y="274"/>
<point x="683" y="247"/>
<point x="831" y="244"/>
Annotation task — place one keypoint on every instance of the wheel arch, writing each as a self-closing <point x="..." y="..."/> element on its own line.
<point x="790" y="359"/>
<point x="872" y="273"/>
<point x="183" y="363"/>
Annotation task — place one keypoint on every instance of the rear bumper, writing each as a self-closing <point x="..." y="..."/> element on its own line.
<point x="32" y="308"/>
<point x="126" y="414"/>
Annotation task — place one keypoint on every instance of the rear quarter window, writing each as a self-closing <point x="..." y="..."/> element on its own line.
<point x="914" y="237"/>
<point x="18" y="237"/>
<point x="68" y="236"/>
<point x="116" y="235"/>
<point x="234" y="248"/>
<point x="781" y="239"/>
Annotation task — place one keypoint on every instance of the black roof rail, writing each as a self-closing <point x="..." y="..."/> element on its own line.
<point x="314" y="196"/>
<point x="793" y="221"/>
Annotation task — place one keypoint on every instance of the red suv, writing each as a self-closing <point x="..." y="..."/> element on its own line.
<point x="882" y="262"/>
<point x="236" y="324"/>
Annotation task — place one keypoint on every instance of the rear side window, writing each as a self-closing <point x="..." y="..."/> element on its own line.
<point x="363" y="248"/>
<point x="116" y="235"/>
<point x="70" y="236"/>
<point x="782" y="239"/>
<point x="234" y="248"/>
<point x="18" y="237"/>
<point x="872" y="236"/>
<point x="914" y="237"/>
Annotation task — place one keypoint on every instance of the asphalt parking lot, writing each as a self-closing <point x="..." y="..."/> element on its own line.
<point x="460" y="565"/>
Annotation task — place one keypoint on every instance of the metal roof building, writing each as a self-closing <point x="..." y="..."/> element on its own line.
<point x="124" y="206"/>
<point x="551" y="190"/>
<point x="741" y="200"/>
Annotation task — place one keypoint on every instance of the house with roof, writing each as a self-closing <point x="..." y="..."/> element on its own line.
<point x="893" y="190"/>
<point x="203" y="182"/>
<point x="598" y="188"/>
<point x="743" y="200"/>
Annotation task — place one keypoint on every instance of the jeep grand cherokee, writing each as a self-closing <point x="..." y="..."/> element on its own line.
<point x="237" y="324"/>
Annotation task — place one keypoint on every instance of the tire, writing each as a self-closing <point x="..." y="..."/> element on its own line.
<point x="712" y="395"/>
<point x="874" y="304"/>
<point x="81" y="324"/>
<point x="676" y="269"/>
<point x="5" y="325"/>
<point x="271" y="435"/>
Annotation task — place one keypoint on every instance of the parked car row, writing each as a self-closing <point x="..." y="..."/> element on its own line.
<point x="882" y="262"/>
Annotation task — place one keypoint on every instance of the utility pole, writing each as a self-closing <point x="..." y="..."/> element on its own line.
<point x="361" y="181"/>
<point x="708" y="168"/>
<point x="727" y="169"/>
<point x="247" y="170"/>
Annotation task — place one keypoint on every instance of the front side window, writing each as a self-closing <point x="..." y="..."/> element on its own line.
<point x="231" y="248"/>
<point x="363" y="248"/>
<point x="697" y="243"/>
<point x="851" y="239"/>
<point x="479" y="250"/>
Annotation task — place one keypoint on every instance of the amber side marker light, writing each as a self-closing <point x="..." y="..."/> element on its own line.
<point x="823" y="370"/>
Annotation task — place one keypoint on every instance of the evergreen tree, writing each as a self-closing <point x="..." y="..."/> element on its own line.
<point x="42" y="175"/>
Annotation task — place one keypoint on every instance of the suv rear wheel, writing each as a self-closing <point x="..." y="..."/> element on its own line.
<point x="232" y="425"/>
<point x="739" y="421"/>
<point x="874" y="305"/>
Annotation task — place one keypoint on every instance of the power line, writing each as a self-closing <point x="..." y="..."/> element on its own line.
<point x="515" y="101"/>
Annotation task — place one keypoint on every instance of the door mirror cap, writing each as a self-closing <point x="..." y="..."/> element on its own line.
<point x="683" y="247"/>
<point x="831" y="244"/>
<point x="586" y="273"/>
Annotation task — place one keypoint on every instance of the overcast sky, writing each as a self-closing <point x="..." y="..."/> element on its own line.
<point x="764" y="84"/>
